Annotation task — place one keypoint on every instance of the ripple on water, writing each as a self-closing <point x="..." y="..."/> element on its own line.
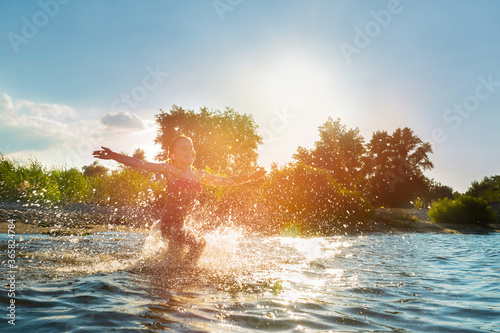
<point x="417" y="283"/>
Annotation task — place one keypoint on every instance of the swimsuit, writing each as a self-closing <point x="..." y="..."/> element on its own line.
<point x="182" y="193"/>
<point x="184" y="184"/>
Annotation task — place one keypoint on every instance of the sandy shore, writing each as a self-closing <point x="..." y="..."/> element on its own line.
<point x="81" y="219"/>
<point x="26" y="228"/>
<point x="417" y="220"/>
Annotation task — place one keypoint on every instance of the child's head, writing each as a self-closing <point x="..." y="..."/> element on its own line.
<point x="181" y="147"/>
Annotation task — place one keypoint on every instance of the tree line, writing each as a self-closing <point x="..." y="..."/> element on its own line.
<point x="330" y="186"/>
<point x="389" y="169"/>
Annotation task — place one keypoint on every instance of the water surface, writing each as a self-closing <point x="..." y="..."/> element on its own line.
<point x="372" y="283"/>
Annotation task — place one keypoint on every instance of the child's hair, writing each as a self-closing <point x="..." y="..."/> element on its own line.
<point x="173" y="142"/>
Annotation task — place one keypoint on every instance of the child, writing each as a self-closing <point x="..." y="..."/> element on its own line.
<point x="184" y="186"/>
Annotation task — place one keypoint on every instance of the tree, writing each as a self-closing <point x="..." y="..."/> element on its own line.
<point x="394" y="166"/>
<point x="488" y="189"/>
<point x="93" y="170"/>
<point x="140" y="154"/>
<point x="226" y="142"/>
<point x="309" y="199"/>
<point x="339" y="150"/>
<point x="434" y="191"/>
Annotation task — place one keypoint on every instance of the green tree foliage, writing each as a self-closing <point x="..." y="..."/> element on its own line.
<point x="231" y="205"/>
<point x="310" y="200"/>
<point x="438" y="191"/>
<point x="122" y="187"/>
<point x="225" y="141"/>
<point x="139" y="154"/>
<point x="463" y="210"/>
<point x="339" y="150"/>
<point x="93" y="170"/>
<point x="434" y="191"/>
<point x="394" y="166"/>
<point x="488" y="189"/>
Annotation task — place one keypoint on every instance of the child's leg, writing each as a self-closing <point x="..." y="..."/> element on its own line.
<point x="175" y="250"/>
<point x="176" y="245"/>
<point x="180" y="238"/>
<point x="195" y="247"/>
<point x="195" y="251"/>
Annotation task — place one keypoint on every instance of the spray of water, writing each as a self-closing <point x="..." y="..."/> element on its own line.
<point x="221" y="253"/>
<point x="232" y="260"/>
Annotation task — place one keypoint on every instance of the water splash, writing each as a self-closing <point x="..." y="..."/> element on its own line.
<point x="232" y="261"/>
<point x="221" y="254"/>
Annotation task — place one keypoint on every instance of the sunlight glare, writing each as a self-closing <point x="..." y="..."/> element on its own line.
<point x="296" y="81"/>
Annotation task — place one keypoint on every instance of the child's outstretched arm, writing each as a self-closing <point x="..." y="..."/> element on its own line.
<point x="211" y="179"/>
<point x="108" y="154"/>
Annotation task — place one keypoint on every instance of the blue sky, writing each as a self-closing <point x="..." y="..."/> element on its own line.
<point x="78" y="74"/>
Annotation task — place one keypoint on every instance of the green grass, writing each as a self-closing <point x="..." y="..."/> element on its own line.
<point x="29" y="182"/>
<point x="34" y="183"/>
<point x="301" y="194"/>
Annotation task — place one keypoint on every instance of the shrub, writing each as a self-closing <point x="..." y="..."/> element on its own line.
<point x="73" y="187"/>
<point x="93" y="170"/>
<point x="463" y="210"/>
<point x="310" y="200"/>
<point x="488" y="189"/>
<point x="27" y="182"/>
<point x="418" y="203"/>
<point x="10" y="182"/>
<point x="125" y="186"/>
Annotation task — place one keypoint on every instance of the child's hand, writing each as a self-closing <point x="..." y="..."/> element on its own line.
<point x="104" y="154"/>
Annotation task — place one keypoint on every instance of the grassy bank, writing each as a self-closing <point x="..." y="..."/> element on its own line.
<point x="292" y="200"/>
<point x="293" y="197"/>
<point x="33" y="183"/>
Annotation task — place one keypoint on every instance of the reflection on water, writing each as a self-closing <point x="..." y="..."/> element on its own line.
<point x="379" y="282"/>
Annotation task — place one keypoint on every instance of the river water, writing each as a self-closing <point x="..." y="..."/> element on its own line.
<point x="371" y="283"/>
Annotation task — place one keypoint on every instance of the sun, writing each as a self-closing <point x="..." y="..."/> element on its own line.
<point x="295" y="80"/>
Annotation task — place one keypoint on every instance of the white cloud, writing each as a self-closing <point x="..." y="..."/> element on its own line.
<point x="55" y="133"/>
<point x="46" y="111"/>
<point x="123" y="120"/>
<point x="6" y="103"/>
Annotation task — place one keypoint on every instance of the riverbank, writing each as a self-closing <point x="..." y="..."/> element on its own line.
<point x="82" y="219"/>
<point x="399" y="220"/>
<point x="74" y="219"/>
